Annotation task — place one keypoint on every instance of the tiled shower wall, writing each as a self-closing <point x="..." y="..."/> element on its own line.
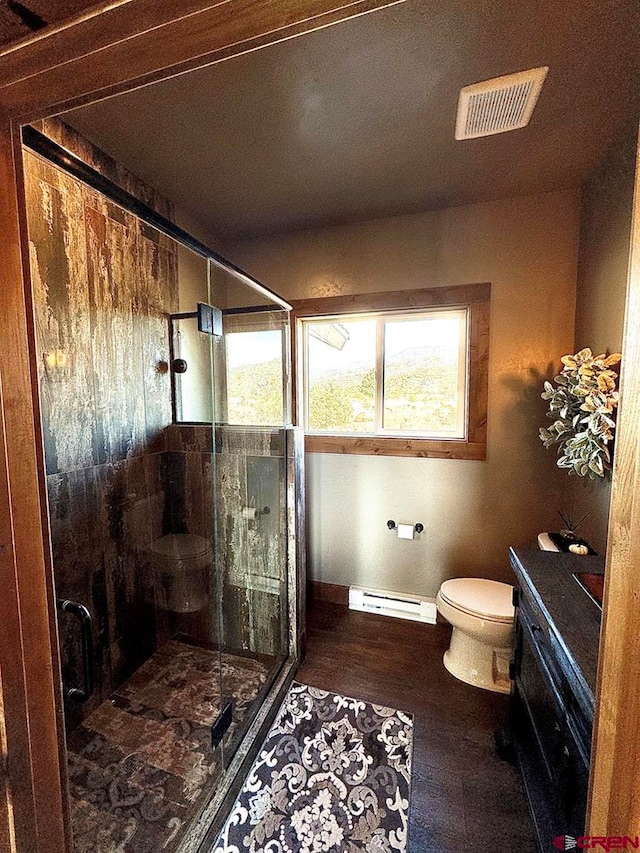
<point x="249" y="474"/>
<point x="103" y="285"/>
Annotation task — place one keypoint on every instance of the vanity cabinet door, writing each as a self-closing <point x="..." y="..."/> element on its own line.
<point x="572" y="785"/>
<point x="543" y="694"/>
<point x="541" y="704"/>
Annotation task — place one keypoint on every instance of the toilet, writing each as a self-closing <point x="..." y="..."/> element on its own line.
<point x="482" y="614"/>
<point x="181" y="562"/>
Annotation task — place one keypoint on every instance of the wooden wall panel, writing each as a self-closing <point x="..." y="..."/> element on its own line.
<point x="7" y="830"/>
<point x="297" y="544"/>
<point x="615" y="781"/>
<point x="249" y="471"/>
<point x="157" y="263"/>
<point x="116" y="334"/>
<point x="27" y="629"/>
<point x="254" y="548"/>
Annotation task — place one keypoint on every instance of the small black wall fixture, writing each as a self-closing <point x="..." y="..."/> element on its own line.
<point x="179" y="365"/>
<point x="209" y="320"/>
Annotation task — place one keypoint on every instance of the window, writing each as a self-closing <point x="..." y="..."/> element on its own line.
<point x="248" y="382"/>
<point x="387" y="374"/>
<point x="253" y="369"/>
<point x="254" y="377"/>
<point x="400" y="373"/>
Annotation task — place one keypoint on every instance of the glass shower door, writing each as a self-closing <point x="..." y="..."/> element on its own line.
<point x="166" y="470"/>
<point x="133" y="547"/>
<point x="252" y="401"/>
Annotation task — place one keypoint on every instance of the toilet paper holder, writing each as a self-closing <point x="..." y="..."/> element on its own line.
<point x="418" y="527"/>
<point x="253" y="513"/>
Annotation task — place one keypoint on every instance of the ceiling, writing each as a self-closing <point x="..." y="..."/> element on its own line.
<point x="356" y="121"/>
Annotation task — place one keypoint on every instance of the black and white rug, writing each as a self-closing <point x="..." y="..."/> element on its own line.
<point x="333" y="776"/>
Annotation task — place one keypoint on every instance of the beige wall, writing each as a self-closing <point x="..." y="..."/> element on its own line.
<point x="193" y="388"/>
<point x="197" y="284"/>
<point x="605" y="229"/>
<point x="472" y="511"/>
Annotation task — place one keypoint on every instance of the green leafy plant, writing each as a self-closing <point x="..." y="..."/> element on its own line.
<point x="582" y="407"/>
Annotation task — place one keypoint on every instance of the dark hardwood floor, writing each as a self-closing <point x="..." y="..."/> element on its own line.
<point x="464" y="798"/>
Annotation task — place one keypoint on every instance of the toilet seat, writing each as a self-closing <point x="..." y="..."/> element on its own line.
<point x="182" y="563"/>
<point x="176" y="547"/>
<point x="485" y="599"/>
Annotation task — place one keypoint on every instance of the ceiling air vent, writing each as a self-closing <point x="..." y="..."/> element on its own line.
<point x="494" y="106"/>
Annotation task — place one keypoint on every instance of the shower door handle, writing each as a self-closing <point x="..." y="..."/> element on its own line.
<point x="86" y="639"/>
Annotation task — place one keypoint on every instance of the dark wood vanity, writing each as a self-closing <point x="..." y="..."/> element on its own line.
<point x="554" y="670"/>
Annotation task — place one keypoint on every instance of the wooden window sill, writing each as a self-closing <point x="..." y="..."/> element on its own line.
<point x="388" y="446"/>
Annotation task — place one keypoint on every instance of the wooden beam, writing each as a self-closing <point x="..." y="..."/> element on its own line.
<point x="7" y="824"/>
<point x="615" y="780"/>
<point x="387" y="446"/>
<point x="143" y="41"/>
<point x="16" y="791"/>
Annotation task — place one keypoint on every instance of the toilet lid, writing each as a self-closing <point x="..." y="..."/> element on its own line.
<point x="480" y="597"/>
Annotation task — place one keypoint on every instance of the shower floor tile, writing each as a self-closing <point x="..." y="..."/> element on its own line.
<point x="141" y="764"/>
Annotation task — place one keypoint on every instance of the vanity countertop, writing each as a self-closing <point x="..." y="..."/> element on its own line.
<point x="572" y="614"/>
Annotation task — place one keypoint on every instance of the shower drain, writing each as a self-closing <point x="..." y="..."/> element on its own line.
<point x="132" y="763"/>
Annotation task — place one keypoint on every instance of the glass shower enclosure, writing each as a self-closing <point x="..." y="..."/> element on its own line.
<point x="164" y="391"/>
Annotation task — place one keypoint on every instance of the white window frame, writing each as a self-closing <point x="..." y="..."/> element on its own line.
<point x="381" y="318"/>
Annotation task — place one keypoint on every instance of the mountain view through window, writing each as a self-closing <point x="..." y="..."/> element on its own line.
<point x="393" y="374"/>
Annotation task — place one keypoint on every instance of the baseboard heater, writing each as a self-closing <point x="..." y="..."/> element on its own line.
<point x="400" y="605"/>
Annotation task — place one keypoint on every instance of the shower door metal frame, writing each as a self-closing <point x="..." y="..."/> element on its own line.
<point x="114" y="47"/>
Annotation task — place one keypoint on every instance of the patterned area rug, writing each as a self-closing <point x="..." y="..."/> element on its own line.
<point x="332" y="776"/>
<point x="140" y="764"/>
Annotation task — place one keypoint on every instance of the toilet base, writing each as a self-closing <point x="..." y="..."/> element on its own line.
<point x="478" y="664"/>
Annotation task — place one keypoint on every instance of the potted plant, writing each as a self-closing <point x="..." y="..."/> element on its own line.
<point x="582" y="407"/>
